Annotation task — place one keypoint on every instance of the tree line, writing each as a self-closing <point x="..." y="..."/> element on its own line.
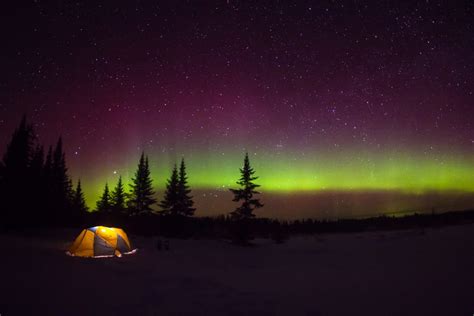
<point x="177" y="200"/>
<point x="36" y="188"/>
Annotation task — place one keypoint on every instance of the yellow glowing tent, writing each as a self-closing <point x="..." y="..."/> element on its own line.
<point x="101" y="241"/>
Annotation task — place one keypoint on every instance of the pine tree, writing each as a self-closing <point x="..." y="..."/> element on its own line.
<point x="61" y="183"/>
<point x="246" y="193"/>
<point x="49" y="187"/>
<point x="37" y="163"/>
<point x="177" y="200"/>
<point x="104" y="204"/>
<point x="141" y="195"/>
<point x="16" y="174"/>
<point x="69" y="192"/>
<point x="78" y="200"/>
<point x="61" y="191"/>
<point x="17" y="157"/>
<point x="169" y="205"/>
<point x="48" y="164"/>
<point x="185" y="200"/>
<point x="38" y="191"/>
<point x="118" y="198"/>
<point x="48" y="170"/>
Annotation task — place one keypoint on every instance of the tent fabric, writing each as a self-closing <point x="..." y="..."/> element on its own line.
<point x="101" y="241"/>
<point x="121" y="244"/>
<point x="122" y="234"/>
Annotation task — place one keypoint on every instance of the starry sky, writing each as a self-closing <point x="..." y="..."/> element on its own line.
<point x="346" y="108"/>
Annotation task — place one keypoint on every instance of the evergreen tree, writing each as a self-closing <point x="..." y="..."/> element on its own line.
<point x="70" y="192"/>
<point x="38" y="189"/>
<point x="32" y="189"/>
<point x="17" y="157"/>
<point x="141" y="193"/>
<point x="37" y="163"/>
<point x="15" y="175"/>
<point x="177" y="200"/>
<point x="61" y="183"/>
<point x="61" y="193"/>
<point x="48" y="166"/>
<point x="185" y="200"/>
<point x="78" y="200"/>
<point x="169" y="205"/>
<point x="246" y="193"/>
<point x="49" y="202"/>
<point x="118" y="198"/>
<point x="104" y="204"/>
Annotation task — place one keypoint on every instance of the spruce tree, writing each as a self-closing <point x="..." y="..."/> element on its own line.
<point x="141" y="193"/>
<point x="185" y="200"/>
<point x="177" y="200"/>
<point x="16" y="175"/>
<point x="17" y="157"/>
<point x="118" y="198"/>
<point x="49" y="190"/>
<point x="104" y="204"/>
<point x="37" y="163"/>
<point x="169" y="204"/>
<point x="38" y="191"/>
<point x="48" y="164"/>
<point x="61" y="183"/>
<point x="246" y="193"/>
<point x="78" y="200"/>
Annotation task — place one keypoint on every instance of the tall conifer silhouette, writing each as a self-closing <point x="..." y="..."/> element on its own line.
<point x="15" y="177"/>
<point x="141" y="193"/>
<point x="104" y="203"/>
<point x="117" y="198"/>
<point x="61" y="183"/>
<point x="78" y="200"/>
<point x="177" y="200"/>
<point x="169" y="204"/>
<point x="185" y="200"/>
<point x="246" y="193"/>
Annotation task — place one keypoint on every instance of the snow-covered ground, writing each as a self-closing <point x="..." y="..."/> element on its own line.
<point x="414" y="272"/>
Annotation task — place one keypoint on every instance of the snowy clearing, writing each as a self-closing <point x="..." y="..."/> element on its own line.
<point x="415" y="272"/>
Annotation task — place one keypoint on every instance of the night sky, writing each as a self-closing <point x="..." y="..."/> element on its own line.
<point x="346" y="108"/>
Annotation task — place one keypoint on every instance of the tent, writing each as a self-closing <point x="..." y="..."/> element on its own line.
<point x="101" y="241"/>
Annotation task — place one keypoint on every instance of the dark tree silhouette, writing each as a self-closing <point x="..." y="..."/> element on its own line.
<point x="169" y="204"/>
<point x="185" y="200"/>
<point x="246" y="193"/>
<point x="104" y="204"/>
<point x="61" y="179"/>
<point x="16" y="175"/>
<point x="117" y="199"/>
<point x="78" y="201"/>
<point x="49" y="202"/>
<point x="16" y="159"/>
<point x="48" y="167"/>
<point x="37" y="163"/>
<point x="48" y="164"/>
<point x="38" y="193"/>
<point x="141" y="193"/>
<point x="177" y="201"/>
<point x="34" y="191"/>
<point x="61" y="186"/>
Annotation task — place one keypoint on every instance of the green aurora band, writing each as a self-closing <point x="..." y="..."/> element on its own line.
<point x="283" y="174"/>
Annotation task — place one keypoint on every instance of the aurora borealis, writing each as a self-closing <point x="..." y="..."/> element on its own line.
<point x="345" y="108"/>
